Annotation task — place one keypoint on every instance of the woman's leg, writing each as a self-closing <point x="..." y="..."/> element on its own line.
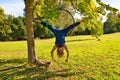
<point x="67" y="29"/>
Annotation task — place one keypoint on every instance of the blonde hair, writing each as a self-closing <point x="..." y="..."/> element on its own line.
<point x="60" y="52"/>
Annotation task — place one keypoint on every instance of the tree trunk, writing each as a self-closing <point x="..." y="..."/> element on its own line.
<point x="32" y="59"/>
<point x="97" y="38"/>
<point x="29" y="30"/>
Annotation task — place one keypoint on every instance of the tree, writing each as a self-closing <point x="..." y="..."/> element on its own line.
<point x="91" y="13"/>
<point x="32" y="59"/>
<point x="5" y="22"/>
<point x="2" y="15"/>
<point x="113" y="23"/>
<point x="18" y="29"/>
<point x="87" y="9"/>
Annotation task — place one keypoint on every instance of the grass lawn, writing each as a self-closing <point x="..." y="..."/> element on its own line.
<point x="89" y="59"/>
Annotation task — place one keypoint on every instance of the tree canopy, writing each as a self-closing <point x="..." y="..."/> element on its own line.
<point x="91" y="11"/>
<point x="113" y="23"/>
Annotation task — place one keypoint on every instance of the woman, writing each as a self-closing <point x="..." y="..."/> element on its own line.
<point x="60" y="39"/>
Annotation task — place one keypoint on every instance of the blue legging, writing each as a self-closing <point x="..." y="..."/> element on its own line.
<point x="65" y="30"/>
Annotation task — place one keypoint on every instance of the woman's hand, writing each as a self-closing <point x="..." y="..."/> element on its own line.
<point x="66" y="60"/>
<point x="53" y="60"/>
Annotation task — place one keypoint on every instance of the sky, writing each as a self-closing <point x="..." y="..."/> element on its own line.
<point x="15" y="7"/>
<point x="113" y="3"/>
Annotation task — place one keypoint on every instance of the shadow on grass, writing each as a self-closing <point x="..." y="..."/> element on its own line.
<point x="13" y="61"/>
<point x="19" y="69"/>
<point x="78" y="40"/>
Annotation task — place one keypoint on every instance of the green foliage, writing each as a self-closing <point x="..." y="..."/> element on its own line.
<point x="89" y="60"/>
<point x="51" y="13"/>
<point x="100" y="9"/>
<point x="42" y="8"/>
<point x="91" y="14"/>
<point x="5" y="29"/>
<point x="2" y="15"/>
<point x="37" y="8"/>
<point x="93" y="25"/>
<point x="12" y="28"/>
<point x="88" y="9"/>
<point x="107" y="7"/>
<point x="18" y="29"/>
<point x="113" y="23"/>
<point x="42" y="32"/>
<point x="97" y="30"/>
<point x="59" y="19"/>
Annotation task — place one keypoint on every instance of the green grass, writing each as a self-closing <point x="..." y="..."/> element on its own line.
<point x="89" y="60"/>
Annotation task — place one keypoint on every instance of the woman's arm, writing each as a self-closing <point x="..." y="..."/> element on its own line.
<point x="52" y="51"/>
<point x="66" y="48"/>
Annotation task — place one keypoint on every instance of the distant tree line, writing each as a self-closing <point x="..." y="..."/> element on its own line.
<point x="13" y="28"/>
<point x="113" y="23"/>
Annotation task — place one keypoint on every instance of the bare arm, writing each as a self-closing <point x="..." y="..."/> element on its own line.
<point x="66" y="48"/>
<point x="52" y="51"/>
